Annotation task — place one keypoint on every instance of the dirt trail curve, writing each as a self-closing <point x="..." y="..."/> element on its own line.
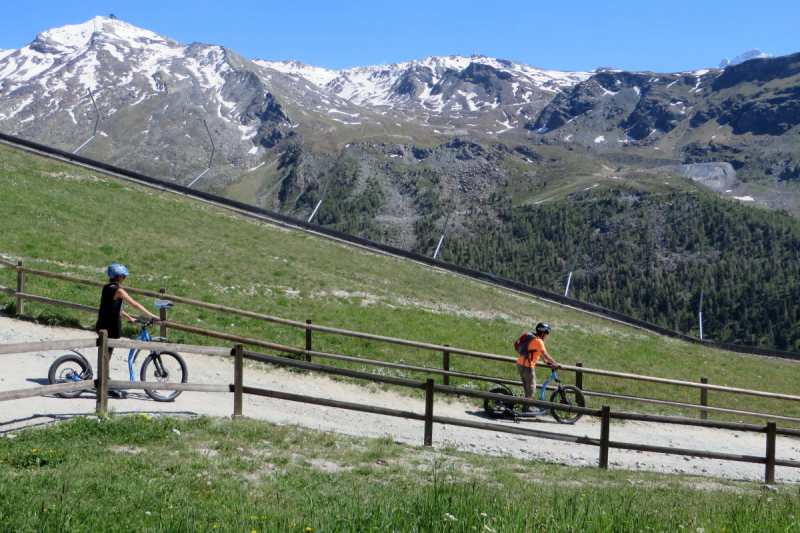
<point x="30" y="370"/>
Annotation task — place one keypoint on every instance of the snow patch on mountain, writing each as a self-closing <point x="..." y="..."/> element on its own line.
<point x="56" y="48"/>
<point x="746" y="56"/>
<point x="316" y="75"/>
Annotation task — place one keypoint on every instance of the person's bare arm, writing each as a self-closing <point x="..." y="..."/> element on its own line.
<point x="549" y="360"/>
<point x="127" y="299"/>
<point x="129" y="317"/>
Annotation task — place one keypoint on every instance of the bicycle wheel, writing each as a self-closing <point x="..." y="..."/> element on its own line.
<point x="567" y="395"/>
<point x="164" y="367"/>
<point x="69" y="369"/>
<point x="496" y="408"/>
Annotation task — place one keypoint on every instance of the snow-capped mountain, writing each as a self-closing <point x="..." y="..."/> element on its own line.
<point x="746" y="56"/>
<point x="152" y="93"/>
<point x="55" y="49"/>
<point x="424" y="82"/>
<point x="294" y="123"/>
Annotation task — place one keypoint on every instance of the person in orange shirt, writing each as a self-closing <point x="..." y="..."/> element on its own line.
<point x="526" y="363"/>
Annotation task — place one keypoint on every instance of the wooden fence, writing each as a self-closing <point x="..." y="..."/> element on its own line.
<point x="580" y="371"/>
<point x="102" y="383"/>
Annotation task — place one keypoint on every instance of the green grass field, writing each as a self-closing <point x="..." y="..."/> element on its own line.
<point x="136" y="473"/>
<point x="60" y="218"/>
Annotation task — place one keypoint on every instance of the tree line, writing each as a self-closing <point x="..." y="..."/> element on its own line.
<point x="649" y="255"/>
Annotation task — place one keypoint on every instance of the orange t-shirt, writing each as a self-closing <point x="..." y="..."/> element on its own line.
<point x="535" y="348"/>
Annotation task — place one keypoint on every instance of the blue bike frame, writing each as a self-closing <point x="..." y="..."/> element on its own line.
<point x="143" y="336"/>
<point x="552" y="377"/>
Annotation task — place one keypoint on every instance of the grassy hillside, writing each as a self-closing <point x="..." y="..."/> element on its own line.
<point x="134" y="473"/>
<point x="67" y="220"/>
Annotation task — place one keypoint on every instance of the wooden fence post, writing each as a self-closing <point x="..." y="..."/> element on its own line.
<point x="769" y="471"/>
<point x="428" y="441"/>
<point x="704" y="399"/>
<point x="101" y="386"/>
<point x="446" y="365"/>
<point x="238" y="380"/>
<point x="163" y="314"/>
<point x="579" y="376"/>
<point x="308" y="341"/>
<point x="605" y="430"/>
<point x="20" y="288"/>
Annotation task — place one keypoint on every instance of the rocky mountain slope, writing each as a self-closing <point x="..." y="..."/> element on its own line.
<point x="154" y="93"/>
<point x="454" y="87"/>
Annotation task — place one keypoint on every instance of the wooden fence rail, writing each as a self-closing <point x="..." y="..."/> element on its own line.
<point x="402" y="382"/>
<point x="445" y="349"/>
<point x="47" y="346"/>
<point x="102" y="384"/>
<point x="579" y="369"/>
<point x="168" y="346"/>
<point x="446" y="373"/>
<point x="42" y="390"/>
<point x="307" y="354"/>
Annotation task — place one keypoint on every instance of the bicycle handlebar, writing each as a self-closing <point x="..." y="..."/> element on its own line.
<point x="147" y="323"/>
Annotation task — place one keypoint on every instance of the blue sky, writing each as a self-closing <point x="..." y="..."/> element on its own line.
<point x="575" y="35"/>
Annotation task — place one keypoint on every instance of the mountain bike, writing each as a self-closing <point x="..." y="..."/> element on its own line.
<point x="159" y="366"/>
<point x="564" y="394"/>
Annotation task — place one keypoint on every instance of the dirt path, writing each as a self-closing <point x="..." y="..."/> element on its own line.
<point x="29" y="370"/>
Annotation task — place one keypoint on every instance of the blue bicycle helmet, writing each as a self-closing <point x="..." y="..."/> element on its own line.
<point x="117" y="270"/>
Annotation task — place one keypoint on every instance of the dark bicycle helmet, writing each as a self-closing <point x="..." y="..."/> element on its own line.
<point x="542" y="328"/>
<point x="117" y="270"/>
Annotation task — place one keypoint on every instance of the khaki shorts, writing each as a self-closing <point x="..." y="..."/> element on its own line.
<point x="528" y="379"/>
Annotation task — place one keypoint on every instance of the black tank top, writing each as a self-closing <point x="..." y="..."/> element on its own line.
<point x="110" y="316"/>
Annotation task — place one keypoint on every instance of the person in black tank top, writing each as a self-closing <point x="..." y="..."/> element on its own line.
<point x="110" y="316"/>
<point x="112" y="303"/>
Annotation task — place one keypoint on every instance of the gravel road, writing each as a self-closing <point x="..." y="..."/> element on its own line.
<point x="30" y="369"/>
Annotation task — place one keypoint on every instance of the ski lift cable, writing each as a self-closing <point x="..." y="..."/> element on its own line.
<point x="96" y="122"/>
<point x="444" y="231"/>
<point x="324" y="190"/>
<point x="575" y="261"/>
<point x="211" y="159"/>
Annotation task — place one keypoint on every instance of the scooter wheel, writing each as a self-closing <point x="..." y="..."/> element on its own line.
<point x="497" y="408"/>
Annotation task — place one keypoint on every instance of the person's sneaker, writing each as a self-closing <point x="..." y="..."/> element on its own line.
<point x="113" y="393"/>
<point x="527" y="409"/>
